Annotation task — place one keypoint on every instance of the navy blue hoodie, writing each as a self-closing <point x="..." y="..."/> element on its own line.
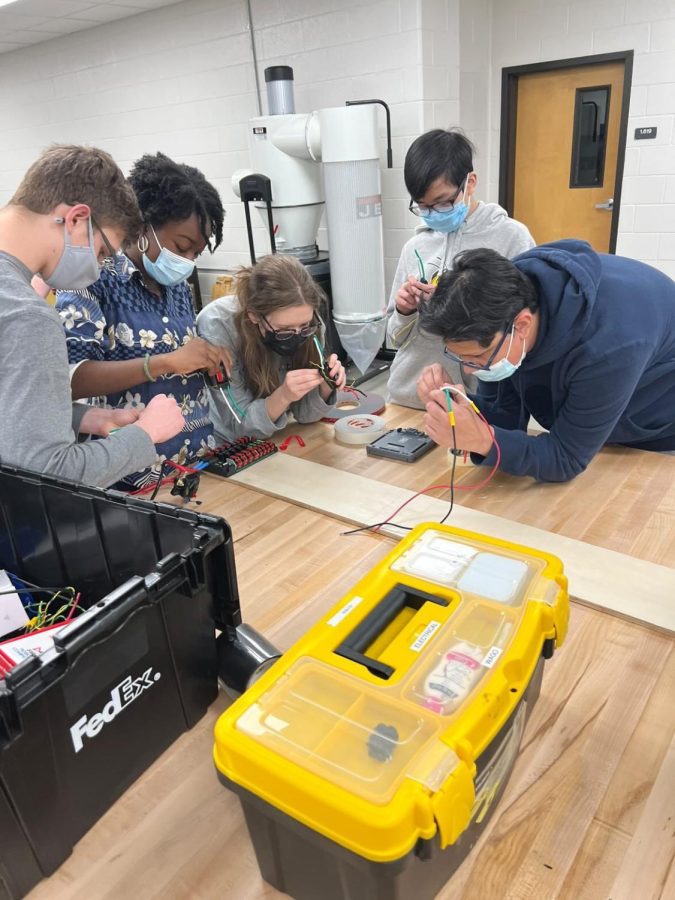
<point x="602" y="370"/>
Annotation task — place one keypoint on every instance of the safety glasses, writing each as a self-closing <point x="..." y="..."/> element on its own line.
<point x="486" y="365"/>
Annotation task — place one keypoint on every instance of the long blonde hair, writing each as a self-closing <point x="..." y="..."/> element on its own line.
<point x="276" y="282"/>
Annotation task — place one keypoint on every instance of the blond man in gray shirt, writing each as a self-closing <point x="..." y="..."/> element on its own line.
<point x="72" y="209"/>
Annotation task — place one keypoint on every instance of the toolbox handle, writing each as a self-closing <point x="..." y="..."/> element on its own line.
<point x="104" y="617"/>
<point x="379" y="618"/>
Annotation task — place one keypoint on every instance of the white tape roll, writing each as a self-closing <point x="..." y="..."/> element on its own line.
<point x="359" y="429"/>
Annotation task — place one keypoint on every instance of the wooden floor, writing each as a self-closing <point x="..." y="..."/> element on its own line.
<point x="589" y="813"/>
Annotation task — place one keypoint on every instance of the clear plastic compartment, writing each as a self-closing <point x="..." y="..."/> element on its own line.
<point x="436" y="558"/>
<point x="334" y="725"/>
<point x="464" y="655"/>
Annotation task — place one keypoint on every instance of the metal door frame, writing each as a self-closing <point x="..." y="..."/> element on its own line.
<point x="507" y="140"/>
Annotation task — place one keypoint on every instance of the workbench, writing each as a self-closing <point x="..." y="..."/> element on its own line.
<point x="588" y="813"/>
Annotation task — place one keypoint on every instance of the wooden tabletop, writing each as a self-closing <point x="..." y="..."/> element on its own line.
<point x="588" y="814"/>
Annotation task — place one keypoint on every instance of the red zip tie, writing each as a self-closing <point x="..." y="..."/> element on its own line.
<point x="292" y="437"/>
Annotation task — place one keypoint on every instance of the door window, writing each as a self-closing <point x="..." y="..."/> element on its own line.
<point x="591" y="113"/>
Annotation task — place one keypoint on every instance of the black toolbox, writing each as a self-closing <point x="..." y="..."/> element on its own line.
<point x="81" y="722"/>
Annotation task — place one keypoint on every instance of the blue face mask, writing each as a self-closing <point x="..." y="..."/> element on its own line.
<point x="169" y="268"/>
<point x="502" y="369"/>
<point x="448" y="220"/>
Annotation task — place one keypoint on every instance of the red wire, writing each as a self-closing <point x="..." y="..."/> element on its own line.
<point x="71" y="612"/>
<point x="167" y="462"/>
<point x="446" y="487"/>
<point x="490" y="476"/>
<point x="151" y="487"/>
<point x="434" y="487"/>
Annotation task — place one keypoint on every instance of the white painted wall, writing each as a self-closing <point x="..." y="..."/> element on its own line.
<point x="527" y="31"/>
<point x="182" y="80"/>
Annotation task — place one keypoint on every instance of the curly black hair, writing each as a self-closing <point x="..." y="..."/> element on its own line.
<point x="170" y="192"/>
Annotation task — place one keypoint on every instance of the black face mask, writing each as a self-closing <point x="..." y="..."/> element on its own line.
<point x="283" y="348"/>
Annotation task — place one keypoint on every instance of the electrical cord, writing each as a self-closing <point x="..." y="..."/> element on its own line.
<point x="451" y="487"/>
<point x="39" y="610"/>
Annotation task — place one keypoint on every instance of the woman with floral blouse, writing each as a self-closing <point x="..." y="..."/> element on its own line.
<point x="132" y="334"/>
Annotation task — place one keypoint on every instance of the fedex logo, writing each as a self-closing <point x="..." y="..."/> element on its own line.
<point x="121" y="696"/>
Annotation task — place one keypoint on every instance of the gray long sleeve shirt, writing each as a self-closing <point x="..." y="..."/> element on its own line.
<point x="216" y="323"/>
<point x="39" y="420"/>
<point x="487" y="226"/>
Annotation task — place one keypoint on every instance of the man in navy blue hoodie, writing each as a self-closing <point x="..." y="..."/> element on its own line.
<point x="583" y="342"/>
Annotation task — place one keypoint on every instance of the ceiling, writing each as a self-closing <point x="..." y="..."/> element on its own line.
<point x="25" y="22"/>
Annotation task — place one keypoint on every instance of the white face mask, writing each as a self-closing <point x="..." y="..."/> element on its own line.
<point x="503" y="368"/>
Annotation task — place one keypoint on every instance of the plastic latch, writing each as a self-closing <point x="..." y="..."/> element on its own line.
<point x="434" y="766"/>
<point x="10" y="722"/>
<point x="452" y="805"/>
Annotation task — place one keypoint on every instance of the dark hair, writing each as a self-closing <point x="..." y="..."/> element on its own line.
<point x="69" y="173"/>
<point x="477" y="298"/>
<point x="170" y="192"/>
<point x="435" y="154"/>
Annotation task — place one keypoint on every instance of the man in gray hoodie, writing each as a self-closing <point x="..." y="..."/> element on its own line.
<point x="72" y="209"/>
<point x="439" y="177"/>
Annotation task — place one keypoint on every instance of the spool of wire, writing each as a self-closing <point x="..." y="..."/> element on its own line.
<point x="359" y="429"/>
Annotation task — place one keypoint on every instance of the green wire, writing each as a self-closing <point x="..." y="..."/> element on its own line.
<point x="322" y="355"/>
<point x="448" y="399"/>
<point x="238" y="409"/>
<point x="420" y="266"/>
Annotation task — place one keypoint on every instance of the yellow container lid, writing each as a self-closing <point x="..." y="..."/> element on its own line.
<point x="368" y="729"/>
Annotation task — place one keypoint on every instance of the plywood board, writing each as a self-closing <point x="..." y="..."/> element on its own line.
<point x="631" y="587"/>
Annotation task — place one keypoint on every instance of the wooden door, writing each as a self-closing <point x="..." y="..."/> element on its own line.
<point x="566" y="149"/>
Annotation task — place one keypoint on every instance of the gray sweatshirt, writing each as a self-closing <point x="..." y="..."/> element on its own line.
<point x="487" y="226"/>
<point x="39" y="420"/>
<point x="216" y="323"/>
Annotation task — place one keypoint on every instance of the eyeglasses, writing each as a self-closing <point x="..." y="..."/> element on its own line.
<point x="420" y="209"/>
<point x="508" y="328"/>
<point x="285" y="334"/>
<point x="109" y="247"/>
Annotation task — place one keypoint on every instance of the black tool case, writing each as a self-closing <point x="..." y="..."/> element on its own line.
<point x="81" y="722"/>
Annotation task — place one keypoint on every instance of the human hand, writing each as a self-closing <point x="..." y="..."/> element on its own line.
<point x="410" y="293"/>
<point x="471" y="433"/>
<point x="100" y="420"/>
<point x="298" y="383"/>
<point x="198" y="354"/>
<point x="337" y="372"/>
<point x="39" y="286"/>
<point x="459" y="394"/>
<point x="432" y="378"/>
<point x="161" y="419"/>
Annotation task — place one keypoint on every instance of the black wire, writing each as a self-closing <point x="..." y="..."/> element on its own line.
<point x="22" y="590"/>
<point x="452" y="477"/>
<point x="160" y="479"/>
<point x="35" y="587"/>
<point x="408" y="527"/>
<point x="376" y="525"/>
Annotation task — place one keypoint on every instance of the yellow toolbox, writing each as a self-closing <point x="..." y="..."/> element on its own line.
<point x="369" y="758"/>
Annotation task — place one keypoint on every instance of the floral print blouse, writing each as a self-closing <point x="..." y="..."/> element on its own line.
<point x="118" y="318"/>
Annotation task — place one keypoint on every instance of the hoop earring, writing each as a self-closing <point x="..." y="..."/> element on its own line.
<point x="143" y="243"/>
